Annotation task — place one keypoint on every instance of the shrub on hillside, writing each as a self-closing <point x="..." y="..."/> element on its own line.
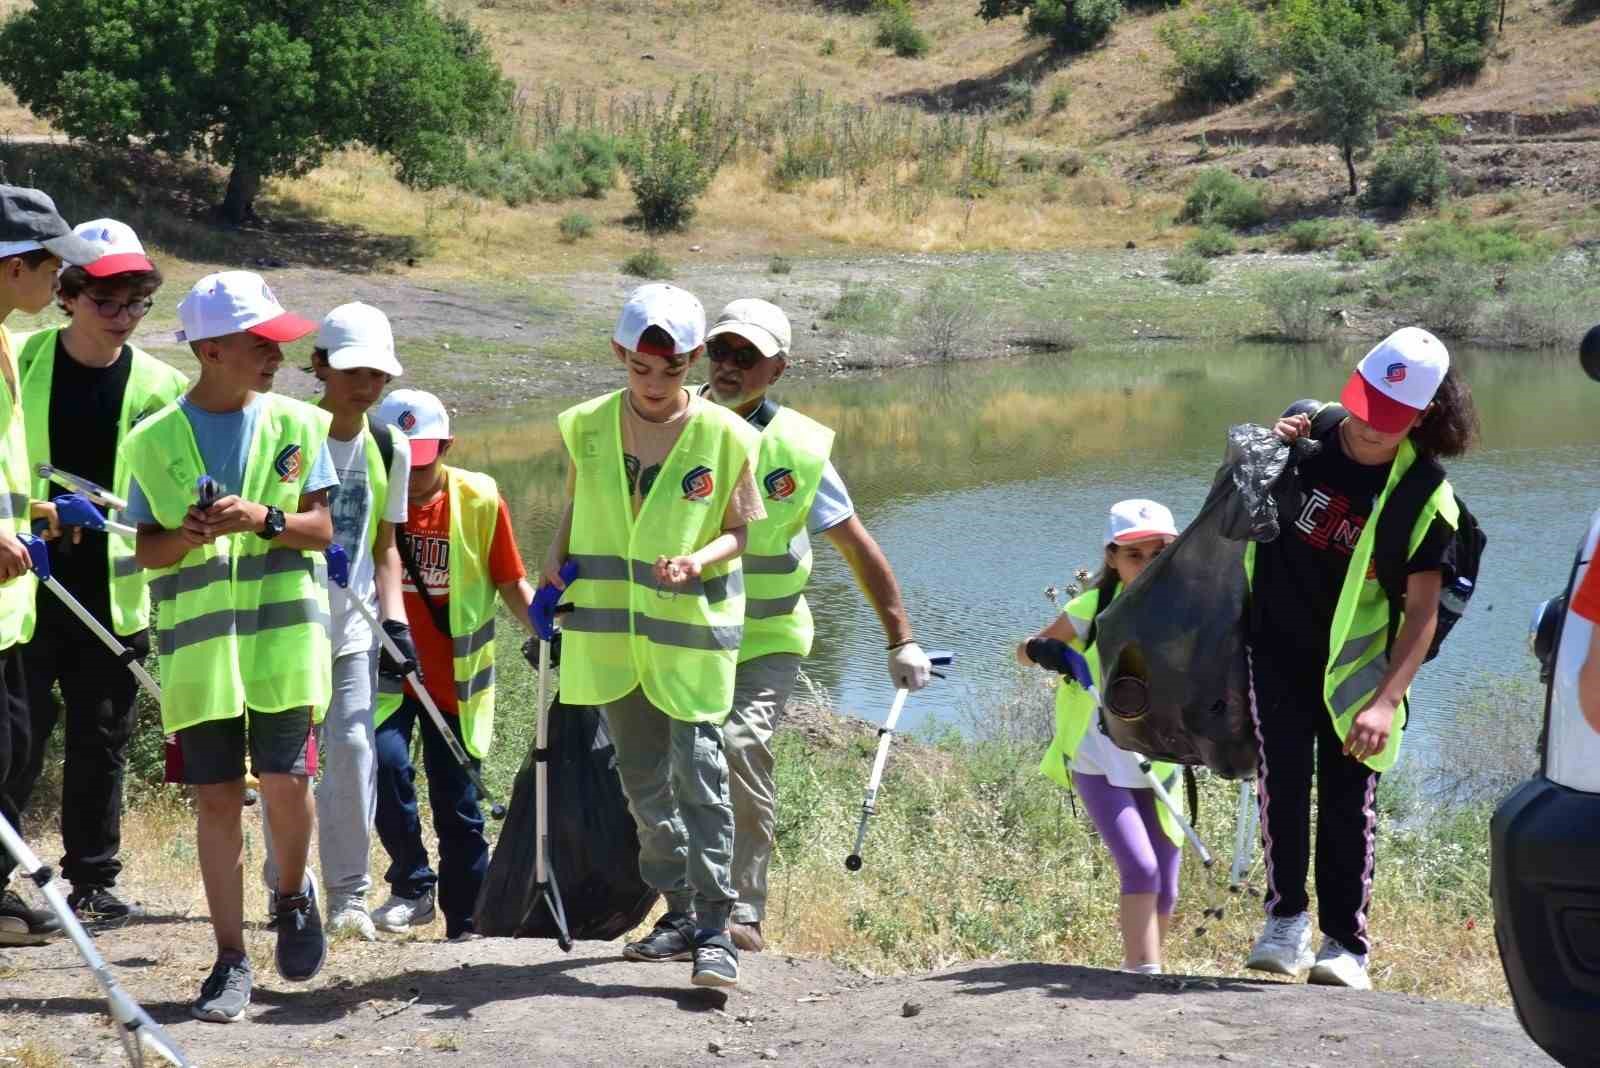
<point x="573" y="164"/>
<point x="1220" y="197"/>
<point x="1302" y="29"/>
<point x="1307" y="235"/>
<point x="1549" y="305"/>
<point x="1455" y="36"/>
<point x="1070" y="24"/>
<point x="897" y="29"/>
<point x="1410" y="170"/>
<point x="1211" y="242"/>
<point x="947" y="322"/>
<point x="1188" y="269"/>
<point x="575" y="226"/>
<point x="1218" y="55"/>
<point x="677" y="152"/>
<point x="647" y="263"/>
<point x="1298" y="300"/>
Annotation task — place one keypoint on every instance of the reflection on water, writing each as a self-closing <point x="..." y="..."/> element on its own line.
<point x="988" y="483"/>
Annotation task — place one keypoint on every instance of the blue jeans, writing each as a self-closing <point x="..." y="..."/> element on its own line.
<point x="463" y="850"/>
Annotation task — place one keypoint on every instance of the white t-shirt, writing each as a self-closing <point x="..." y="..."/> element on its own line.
<point x="1097" y="754"/>
<point x="832" y="504"/>
<point x="350" y="503"/>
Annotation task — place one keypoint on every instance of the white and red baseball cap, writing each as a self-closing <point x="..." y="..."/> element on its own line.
<point x="358" y="335"/>
<point x="421" y="417"/>
<point x="230" y="302"/>
<point x="1139" y="520"/>
<point x="120" y="250"/>
<point x="1396" y="381"/>
<point x="677" y="311"/>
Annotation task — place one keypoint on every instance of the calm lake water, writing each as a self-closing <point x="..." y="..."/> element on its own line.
<point x="987" y="483"/>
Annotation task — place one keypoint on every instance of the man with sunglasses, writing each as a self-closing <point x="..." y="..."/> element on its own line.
<point x="84" y="387"/>
<point x="804" y="496"/>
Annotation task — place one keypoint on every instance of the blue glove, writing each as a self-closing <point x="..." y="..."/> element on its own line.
<point x="76" y="510"/>
<point x="542" y="612"/>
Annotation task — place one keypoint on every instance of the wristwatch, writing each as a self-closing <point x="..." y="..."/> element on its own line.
<point x="273" y="525"/>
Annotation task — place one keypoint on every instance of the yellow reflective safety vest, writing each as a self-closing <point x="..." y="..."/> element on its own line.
<point x="777" y="557"/>
<point x="474" y="510"/>
<point x="1076" y="716"/>
<point x="152" y="385"/>
<point x="242" y="621"/>
<point x="1358" y="657"/>
<point x="624" y="633"/>
<point x="16" y="596"/>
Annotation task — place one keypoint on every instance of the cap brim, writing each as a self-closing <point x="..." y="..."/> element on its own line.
<point x="72" y="249"/>
<point x="1129" y="536"/>
<point x="120" y="263"/>
<point x="353" y="356"/>
<point x="1376" y="408"/>
<point x="424" y="451"/>
<point x="758" y="336"/>
<point x="285" y="327"/>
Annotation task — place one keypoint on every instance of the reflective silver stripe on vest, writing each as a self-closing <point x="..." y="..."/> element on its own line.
<point x="600" y="568"/>
<point x="787" y="564"/>
<point x="191" y="578"/>
<point x="243" y="624"/>
<point x="258" y="566"/>
<point x="480" y="682"/>
<point x="1357" y="686"/>
<point x="471" y="643"/>
<point x="771" y="607"/>
<point x="13" y="505"/>
<point x="615" y="569"/>
<point x="660" y="631"/>
<point x="1355" y="648"/>
<point x="125" y="566"/>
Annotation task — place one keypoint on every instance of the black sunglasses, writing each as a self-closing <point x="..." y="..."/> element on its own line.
<point x="720" y="349"/>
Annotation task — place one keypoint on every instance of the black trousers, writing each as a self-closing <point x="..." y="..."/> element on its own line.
<point x="14" y="730"/>
<point x="1296" y="741"/>
<point x="97" y="699"/>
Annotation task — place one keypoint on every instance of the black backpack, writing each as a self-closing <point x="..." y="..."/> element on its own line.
<point x="1392" y="541"/>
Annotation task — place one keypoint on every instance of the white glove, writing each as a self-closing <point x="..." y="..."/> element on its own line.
<point x="909" y="667"/>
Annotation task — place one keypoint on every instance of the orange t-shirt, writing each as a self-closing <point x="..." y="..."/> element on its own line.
<point x="1586" y="602"/>
<point x="426" y="537"/>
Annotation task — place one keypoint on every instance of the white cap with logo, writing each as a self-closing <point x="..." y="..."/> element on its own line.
<point x="358" y="335"/>
<point x="759" y="322"/>
<point x="1139" y="520"/>
<point x="421" y="417"/>
<point x="677" y="311"/>
<point x="231" y="302"/>
<point x="1396" y="381"/>
<point x="119" y="247"/>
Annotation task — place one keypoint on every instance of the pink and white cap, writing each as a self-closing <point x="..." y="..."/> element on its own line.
<point x="119" y="247"/>
<point x="230" y="302"/>
<point x="1396" y="380"/>
<point x="677" y="311"/>
<point x="1139" y="520"/>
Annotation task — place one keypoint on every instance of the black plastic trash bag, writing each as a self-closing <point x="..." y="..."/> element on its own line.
<point x="594" y="846"/>
<point x="1172" y="647"/>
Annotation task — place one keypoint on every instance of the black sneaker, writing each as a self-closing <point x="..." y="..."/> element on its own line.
<point x="671" y="939"/>
<point x="97" y="906"/>
<point x="716" y="962"/>
<point x="302" y="946"/>
<point x="225" y="994"/>
<point x="23" y="926"/>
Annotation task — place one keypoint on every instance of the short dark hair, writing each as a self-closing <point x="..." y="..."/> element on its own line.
<point x="1450" y="426"/>
<point x="33" y="257"/>
<point x="74" y="280"/>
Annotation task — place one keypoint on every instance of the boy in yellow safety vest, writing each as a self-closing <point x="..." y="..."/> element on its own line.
<point x="84" y="388"/>
<point x="660" y="496"/>
<point x="804" y="496"/>
<point x="34" y="240"/>
<point x="241" y="599"/>
<point x="460" y="557"/>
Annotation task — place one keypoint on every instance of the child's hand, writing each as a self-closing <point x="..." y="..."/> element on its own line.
<point x="1293" y="428"/>
<point x="551" y="576"/>
<point x="14" y="559"/>
<point x="196" y="531"/>
<point x="1369" y="731"/>
<point x="677" y="571"/>
<point x="235" y="515"/>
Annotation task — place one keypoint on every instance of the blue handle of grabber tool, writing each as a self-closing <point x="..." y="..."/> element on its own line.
<point x="207" y="491"/>
<point x="338" y="565"/>
<point x="76" y="510"/>
<point x="38" y="553"/>
<point x="542" y="612"/>
<point x="1078" y="669"/>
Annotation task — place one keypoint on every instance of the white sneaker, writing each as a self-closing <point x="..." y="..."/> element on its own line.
<point x="400" y="914"/>
<point x="1284" y="947"/>
<point x="350" y="914"/>
<point x="1337" y="966"/>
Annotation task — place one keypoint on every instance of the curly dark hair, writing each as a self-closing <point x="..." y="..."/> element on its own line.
<point x="1450" y="425"/>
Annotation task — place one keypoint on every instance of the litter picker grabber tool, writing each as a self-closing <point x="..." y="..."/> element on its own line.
<point x="542" y="614"/>
<point x="78" y="510"/>
<point x="135" y="1027"/>
<point x="869" y="804"/>
<point x="339" y="572"/>
<point x="92" y="490"/>
<point x="39" y="553"/>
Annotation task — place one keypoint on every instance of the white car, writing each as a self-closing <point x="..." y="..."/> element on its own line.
<point x="1545" y="840"/>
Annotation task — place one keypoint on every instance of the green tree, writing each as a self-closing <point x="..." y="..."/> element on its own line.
<point x="263" y="87"/>
<point x="1217" y="53"/>
<point x="1345" y="92"/>
<point x="1071" y="24"/>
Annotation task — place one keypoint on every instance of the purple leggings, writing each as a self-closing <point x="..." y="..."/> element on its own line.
<point x="1145" y="857"/>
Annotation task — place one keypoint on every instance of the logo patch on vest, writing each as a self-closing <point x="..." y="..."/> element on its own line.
<point x="780" y="484"/>
<point x="287" y="464"/>
<point x="698" y="485"/>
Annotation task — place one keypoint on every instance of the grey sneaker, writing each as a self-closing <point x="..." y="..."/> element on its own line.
<point x="225" y="994"/>
<point x="399" y="914"/>
<point x="672" y="938"/>
<point x="716" y="962"/>
<point x="302" y="947"/>
<point x="1284" y="947"/>
<point x="348" y="913"/>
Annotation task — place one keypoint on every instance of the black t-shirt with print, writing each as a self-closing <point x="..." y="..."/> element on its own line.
<point x="1299" y="576"/>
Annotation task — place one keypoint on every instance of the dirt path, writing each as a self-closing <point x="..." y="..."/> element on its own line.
<point x="503" y="1003"/>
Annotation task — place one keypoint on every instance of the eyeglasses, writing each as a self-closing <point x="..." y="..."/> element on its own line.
<point x="721" y="348"/>
<point x="110" y="309"/>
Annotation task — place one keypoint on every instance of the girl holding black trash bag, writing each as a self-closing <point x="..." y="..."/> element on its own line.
<point x="1144" y="839"/>
<point x="1328" y="684"/>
